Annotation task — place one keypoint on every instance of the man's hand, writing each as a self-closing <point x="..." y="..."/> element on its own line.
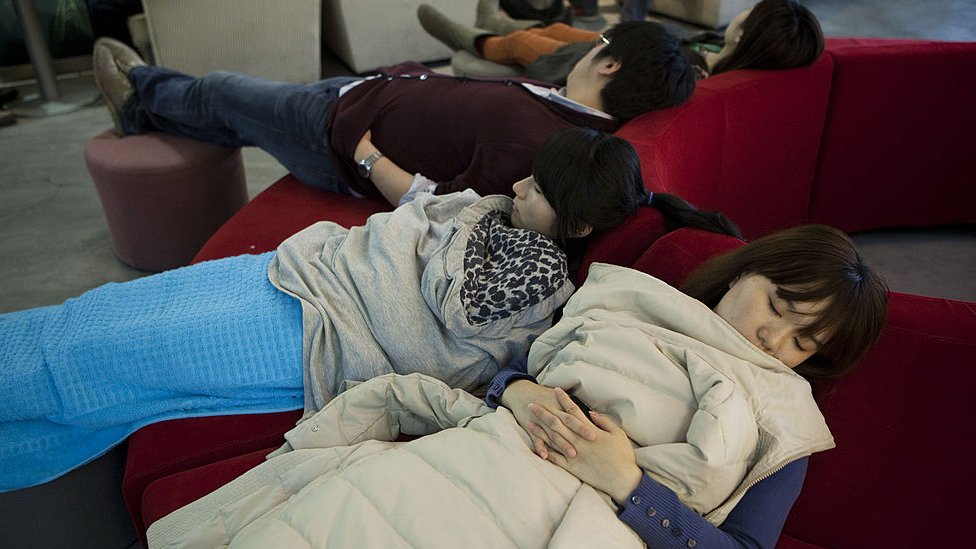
<point x="607" y="461"/>
<point x="518" y="397"/>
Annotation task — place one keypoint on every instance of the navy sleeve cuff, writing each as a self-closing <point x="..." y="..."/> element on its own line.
<point x="515" y="371"/>
<point x="658" y="518"/>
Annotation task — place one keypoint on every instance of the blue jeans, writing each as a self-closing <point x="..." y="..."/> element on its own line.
<point x="236" y="110"/>
<point x="634" y="10"/>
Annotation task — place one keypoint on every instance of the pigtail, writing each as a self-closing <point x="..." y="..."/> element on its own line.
<point x="680" y="213"/>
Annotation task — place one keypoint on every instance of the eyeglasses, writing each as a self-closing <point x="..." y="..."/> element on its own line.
<point x="604" y="39"/>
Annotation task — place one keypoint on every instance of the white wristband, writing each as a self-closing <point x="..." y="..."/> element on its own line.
<point x="420" y="184"/>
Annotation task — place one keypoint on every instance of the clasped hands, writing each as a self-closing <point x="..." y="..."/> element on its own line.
<point x="594" y="449"/>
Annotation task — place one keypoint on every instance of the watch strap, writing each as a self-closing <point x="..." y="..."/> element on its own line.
<point x="368" y="162"/>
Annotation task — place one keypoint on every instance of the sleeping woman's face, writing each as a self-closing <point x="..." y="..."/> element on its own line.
<point x="770" y="322"/>
<point x="532" y="210"/>
<point x="733" y="35"/>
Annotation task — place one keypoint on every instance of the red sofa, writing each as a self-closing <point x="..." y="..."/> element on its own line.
<point x="875" y="134"/>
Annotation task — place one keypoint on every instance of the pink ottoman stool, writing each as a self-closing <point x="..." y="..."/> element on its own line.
<point x="163" y="196"/>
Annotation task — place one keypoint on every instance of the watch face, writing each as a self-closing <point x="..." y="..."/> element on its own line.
<point x="366" y="164"/>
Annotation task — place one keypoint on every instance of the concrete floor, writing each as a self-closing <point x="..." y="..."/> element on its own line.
<point x="55" y="244"/>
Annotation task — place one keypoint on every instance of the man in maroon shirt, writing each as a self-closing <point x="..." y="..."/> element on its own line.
<point x="407" y="129"/>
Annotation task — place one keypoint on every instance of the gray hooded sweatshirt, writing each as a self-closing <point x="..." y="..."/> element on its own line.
<point x="442" y="286"/>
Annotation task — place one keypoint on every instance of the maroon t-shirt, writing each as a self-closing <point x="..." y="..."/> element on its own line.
<point x="459" y="132"/>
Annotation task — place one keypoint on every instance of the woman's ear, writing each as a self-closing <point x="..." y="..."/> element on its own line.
<point x="585" y="230"/>
<point x="738" y="36"/>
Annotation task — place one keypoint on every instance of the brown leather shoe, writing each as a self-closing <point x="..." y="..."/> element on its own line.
<point x="125" y="57"/>
<point x="112" y="60"/>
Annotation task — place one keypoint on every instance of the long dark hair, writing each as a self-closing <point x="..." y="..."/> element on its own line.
<point x="777" y="34"/>
<point x="592" y="178"/>
<point x="810" y="263"/>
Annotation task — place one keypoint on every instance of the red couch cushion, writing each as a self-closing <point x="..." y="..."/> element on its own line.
<point x="624" y="244"/>
<point x="745" y="143"/>
<point x="898" y="144"/>
<point x="169" y="493"/>
<point x="675" y="255"/>
<point x="280" y="211"/>
<point x="787" y="542"/>
<point x="902" y="469"/>
<point x="170" y="447"/>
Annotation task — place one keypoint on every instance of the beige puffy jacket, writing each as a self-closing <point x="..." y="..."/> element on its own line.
<point x="709" y="412"/>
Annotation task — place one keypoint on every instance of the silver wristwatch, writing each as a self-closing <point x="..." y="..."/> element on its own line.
<point x="366" y="164"/>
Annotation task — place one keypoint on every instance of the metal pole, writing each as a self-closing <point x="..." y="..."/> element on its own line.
<point x="37" y="49"/>
<point x="54" y="98"/>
